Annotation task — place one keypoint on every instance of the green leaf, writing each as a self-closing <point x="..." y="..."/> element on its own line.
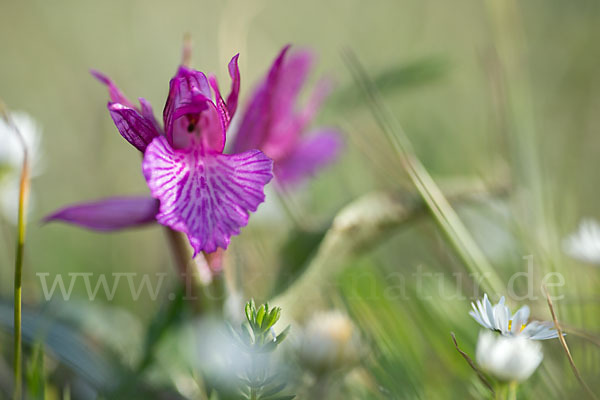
<point x="35" y="373"/>
<point x="248" y="310"/>
<point x="268" y="347"/>
<point x="271" y="319"/>
<point x="247" y="334"/>
<point x="66" y="343"/>
<point x="273" y="390"/>
<point x="260" y="316"/>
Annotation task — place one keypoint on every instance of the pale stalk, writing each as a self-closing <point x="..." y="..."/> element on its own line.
<point x="512" y="390"/>
<point x="18" y="277"/>
<point x="501" y="392"/>
<point x="24" y="181"/>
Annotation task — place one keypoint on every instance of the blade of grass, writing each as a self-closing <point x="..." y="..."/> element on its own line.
<point x="455" y="232"/>
<point x="482" y="377"/>
<point x="563" y="342"/>
<point x="23" y="191"/>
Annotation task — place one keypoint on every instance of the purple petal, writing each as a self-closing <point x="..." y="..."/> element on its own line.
<point x="319" y="149"/>
<point x="290" y="81"/>
<point x="189" y="107"/>
<point x="116" y="96"/>
<point x="288" y="126"/>
<point x="109" y="214"/>
<point x="256" y="121"/>
<point x="227" y="109"/>
<point x="207" y="196"/>
<point x="271" y="122"/>
<point x="148" y="113"/>
<point x="136" y="129"/>
<point x="220" y="103"/>
<point x="320" y="93"/>
<point x="234" y="73"/>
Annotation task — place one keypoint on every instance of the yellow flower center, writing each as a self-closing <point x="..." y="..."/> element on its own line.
<point x="510" y="326"/>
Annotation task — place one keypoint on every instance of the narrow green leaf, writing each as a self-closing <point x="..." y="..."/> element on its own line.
<point x="281" y="337"/>
<point x="35" y="373"/>
<point x="260" y="315"/>
<point x="248" y="311"/>
<point x="289" y="397"/>
<point x="247" y="334"/>
<point x="273" y="390"/>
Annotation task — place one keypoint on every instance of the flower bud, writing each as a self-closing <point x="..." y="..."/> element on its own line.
<point x="508" y="359"/>
<point x="329" y="342"/>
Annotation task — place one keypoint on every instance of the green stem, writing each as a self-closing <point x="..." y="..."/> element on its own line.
<point x="500" y="392"/>
<point x="206" y="297"/>
<point x="17" y="309"/>
<point x="18" y="279"/>
<point x="253" y="394"/>
<point x="512" y="390"/>
<point x="320" y="388"/>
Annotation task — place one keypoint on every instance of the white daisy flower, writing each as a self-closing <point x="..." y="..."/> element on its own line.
<point x="11" y="159"/>
<point x="508" y="359"/>
<point x="499" y="319"/>
<point x="584" y="245"/>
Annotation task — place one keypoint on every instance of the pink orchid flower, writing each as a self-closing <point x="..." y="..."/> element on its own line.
<point x="196" y="189"/>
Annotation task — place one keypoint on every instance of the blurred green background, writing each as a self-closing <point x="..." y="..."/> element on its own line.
<point x="446" y="88"/>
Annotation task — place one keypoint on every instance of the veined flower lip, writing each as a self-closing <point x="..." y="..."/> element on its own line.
<point x="498" y="318"/>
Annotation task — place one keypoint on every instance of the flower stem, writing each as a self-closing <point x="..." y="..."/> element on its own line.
<point x="501" y="393"/>
<point x="253" y="394"/>
<point x="18" y="290"/>
<point x="180" y="251"/>
<point x="512" y="390"/>
<point x="18" y="278"/>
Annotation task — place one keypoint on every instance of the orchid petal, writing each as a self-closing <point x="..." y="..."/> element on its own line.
<point x="318" y="96"/>
<point x="220" y="103"/>
<point x="134" y="127"/>
<point x="290" y="80"/>
<point x="109" y="214"/>
<point x="116" y="96"/>
<point x="188" y="103"/>
<point x="234" y="73"/>
<point x="148" y="113"/>
<point x="286" y="126"/>
<point x="318" y="150"/>
<point x="255" y="125"/>
<point x="207" y="196"/>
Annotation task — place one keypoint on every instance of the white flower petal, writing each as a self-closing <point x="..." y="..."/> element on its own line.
<point x="508" y="358"/>
<point x="584" y="245"/>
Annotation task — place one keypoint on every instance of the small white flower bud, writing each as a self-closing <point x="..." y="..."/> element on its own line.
<point x="329" y="342"/>
<point x="508" y="358"/>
